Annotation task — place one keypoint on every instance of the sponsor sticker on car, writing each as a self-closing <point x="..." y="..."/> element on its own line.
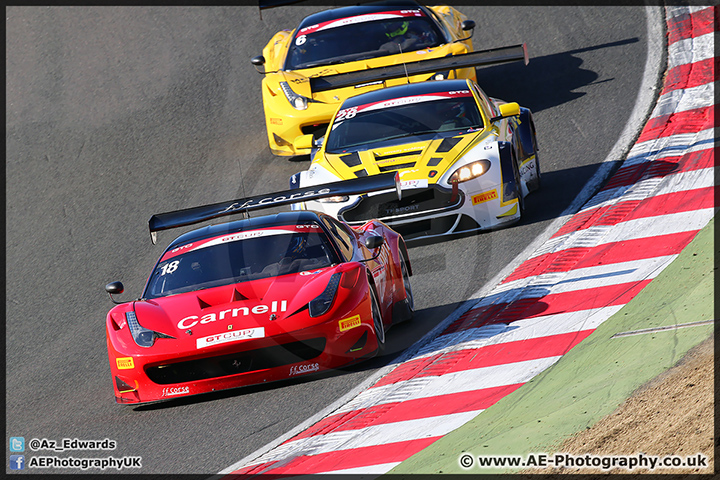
<point x="368" y="17"/>
<point x="227" y="337"/>
<point x="350" y="112"/>
<point x="313" y="272"/>
<point x="484" y="197"/>
<point x="408" y="184"/>
<point x="170" y="391"/>
<point x="300" y="369"/>
<point x="527" y="167"/>
<point x="232" y="237"/>
<point x="192" y="320"/>
<point x="125" y="363"/>
<point x="350" y="323"/>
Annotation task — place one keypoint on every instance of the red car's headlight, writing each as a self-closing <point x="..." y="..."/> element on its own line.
<point x="322" y="303"/>
<point x="142" y="336"/>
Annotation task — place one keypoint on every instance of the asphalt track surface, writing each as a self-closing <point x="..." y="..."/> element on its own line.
<point x="115" y="113"/>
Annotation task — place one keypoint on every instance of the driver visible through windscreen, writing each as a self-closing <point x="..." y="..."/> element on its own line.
<point x="404" y="117"/>
<point x="239" y="257"/>
<point x="362" y="37"/>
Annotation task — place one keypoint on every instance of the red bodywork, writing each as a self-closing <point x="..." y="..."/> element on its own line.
<point x="257" y="331"/>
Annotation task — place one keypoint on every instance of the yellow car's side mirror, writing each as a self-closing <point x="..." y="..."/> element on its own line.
<point x="507" y="110"/>
<point x="304" y="142"/>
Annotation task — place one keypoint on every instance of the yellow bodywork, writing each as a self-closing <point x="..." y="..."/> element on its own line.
<point x="285" y="123"/>
<point x="415" y="161"/>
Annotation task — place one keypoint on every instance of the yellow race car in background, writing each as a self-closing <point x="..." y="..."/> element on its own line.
<point x="305" y="69"/>
<point x="466" y="161"/>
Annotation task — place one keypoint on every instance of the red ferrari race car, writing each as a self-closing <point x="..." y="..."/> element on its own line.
<point x="259" y="299"/>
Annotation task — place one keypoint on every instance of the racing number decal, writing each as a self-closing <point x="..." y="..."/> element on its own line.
<point x="346" y="114"/>
<point x="300" y="40"/>
<point x="169" y="267"/>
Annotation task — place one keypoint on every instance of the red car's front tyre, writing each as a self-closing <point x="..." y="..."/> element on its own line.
<point x="377" y="321"/>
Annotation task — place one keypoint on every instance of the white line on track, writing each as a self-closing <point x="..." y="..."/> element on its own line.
<point x="663" y="329"/>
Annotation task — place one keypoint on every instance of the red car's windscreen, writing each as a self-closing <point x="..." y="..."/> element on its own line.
<point x="240" y="257"/>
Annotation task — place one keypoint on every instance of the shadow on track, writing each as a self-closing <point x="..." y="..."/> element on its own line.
<point x="546" y="81"/>
<point x="559" y="189"/>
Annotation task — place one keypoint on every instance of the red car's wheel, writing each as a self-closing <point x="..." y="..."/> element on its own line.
<point x="377" y="321"/>
<point x="408" y="289"/>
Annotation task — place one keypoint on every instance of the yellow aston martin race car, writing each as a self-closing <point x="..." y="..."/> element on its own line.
<point x="466" y="161"/>
<point x="305" y="69"/>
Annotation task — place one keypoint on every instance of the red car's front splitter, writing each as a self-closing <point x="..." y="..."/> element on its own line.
<point x="329" y="345"/>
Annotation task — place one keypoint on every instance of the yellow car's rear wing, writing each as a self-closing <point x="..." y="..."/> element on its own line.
<point x="493" y="56"/>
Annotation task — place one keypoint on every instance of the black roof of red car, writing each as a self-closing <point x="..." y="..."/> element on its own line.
<point x="265" y="221"/>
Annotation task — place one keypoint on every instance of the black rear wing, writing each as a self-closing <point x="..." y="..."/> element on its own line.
<point x="493" y="56"/>
<point x="190" y="216"/>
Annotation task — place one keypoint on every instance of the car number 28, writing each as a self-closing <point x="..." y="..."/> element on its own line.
<point x="346" y="114"/>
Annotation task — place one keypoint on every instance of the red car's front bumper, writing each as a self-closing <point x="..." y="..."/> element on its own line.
<point x="342" y="336"/>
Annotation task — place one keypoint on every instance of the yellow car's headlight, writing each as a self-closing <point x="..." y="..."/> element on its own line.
<point x="297" y="101"/>
<point x="470" y="171"/>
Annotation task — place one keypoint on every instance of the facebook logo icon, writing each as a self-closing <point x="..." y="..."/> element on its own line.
<point x="17" y="444"/>
<point x="17" y="462"/>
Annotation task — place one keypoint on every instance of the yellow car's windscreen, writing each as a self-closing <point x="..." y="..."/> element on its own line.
<point x="362" y="37"/>
<point x="402" y="118"/>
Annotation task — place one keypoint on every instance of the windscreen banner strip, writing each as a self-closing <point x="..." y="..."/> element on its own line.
<point x="368" y="17"/>
<point x="238" y="236"/>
